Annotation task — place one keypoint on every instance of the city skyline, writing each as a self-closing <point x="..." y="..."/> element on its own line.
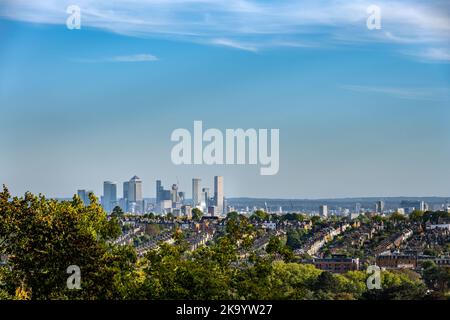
<point x="208" y="184"/>
<point x="175" y="201"/>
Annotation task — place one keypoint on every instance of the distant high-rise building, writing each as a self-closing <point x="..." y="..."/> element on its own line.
<point x="358" y="208"/>
<point x="135" y="189"/>
<point x="218" y="193"/>
<point x="323" y="211"/>
<point x="135" y="194"/>
<point x="126" y="188"/>
<point x="196" y="194"/>
<point x="174" y="193"/>
<point x="84" y="196"/>
<point x="212" y="210"/>
<point x="181" y="196"/>
<point x="187" y="211"/>
<point x="206" y="197"/>
<point x="159" y="191"/>
<point x="109" y="195"/>
<point x="379" y="206"/>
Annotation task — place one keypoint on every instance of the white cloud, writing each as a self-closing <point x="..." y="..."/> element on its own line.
<point x="428" y="94"/>
<point x="435" y="54"/>
<point x="250" y="24"/>
<point x="134" y="58"/>
<point x="130" y="58"/>
<point x="234" y="44"/>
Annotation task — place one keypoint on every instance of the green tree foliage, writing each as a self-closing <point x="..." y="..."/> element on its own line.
<point x="316" y="220"/>
<point x="232" y="215"/>
<point x="259" y="215"/>
<point x="294" y="238"/>
<point x="294" y="217"/>
<point x="117" y="212"/>
<point x="274" y="246"/>
<point x="42" y="238"/>
<point x="434" y="217"/>
<point x="416" y="216"/>
<point x="397" y="285"/>
<point x="397" y="217"/>
<point x="437" y="278"/>
<point x="197" y="214"/>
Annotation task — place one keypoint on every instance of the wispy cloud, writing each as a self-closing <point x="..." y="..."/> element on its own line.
<point x="429" y="94"/>
<point x="433" y="54"/>
<point x="129" y="58"/>
<point x="134" y="58"/>
<point x="234" y="44"/>
<point x="253" y="25"/>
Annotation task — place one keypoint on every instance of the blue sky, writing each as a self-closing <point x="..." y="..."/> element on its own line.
<point x="361" y="112"/>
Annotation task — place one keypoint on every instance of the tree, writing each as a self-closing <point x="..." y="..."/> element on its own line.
<point x="397" y="285"/>
<point x="396" y="217"/>
<point x="117" y="212"/>
<point x="259" y="215"/>
<point x="42" y="238"/>
<point x="316" y="220"/>
<point x="436" y="278"/>
<point x="274" y="246"/>
<point x="232" y="215"/>
<point x="197" y="214"/>
<point x="416" y="216"/>
<point x="294" y="239"/>
<point x="377" y="218"/>
<point x="326" y="281"/>
<point x="170" y="216"/>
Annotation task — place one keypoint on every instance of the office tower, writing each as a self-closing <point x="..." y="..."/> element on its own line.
<point x="323" y="211"/>
<point x="422" y="206"/>
<point x="196" y="195"/>
<point x="358" y="208"/>
<point x="159" y="191"/>
<point x="135" y="189"/>
<point x="218" y="193"/>
<point x="126" y="187"/>
<point x="166" y="195"/>
<point x="187" y="211"/>
<point x="181" y="196"/>
<point x="225" y="205"/>
<point x="109" y="195"/>
<point x="84" y="196"/>
<point x="379" y="206"/>
<point x="174" y="194"/>
<point x="206" y="197"/>
<point x="212" y="210"/>
<point x="126" y="195"/>
<point x="135" y="195"/>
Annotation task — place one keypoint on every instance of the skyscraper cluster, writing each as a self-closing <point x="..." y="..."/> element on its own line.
<point x="202" y="199"/>
<point x="167" y="200"/>
<point x="132" y="200"/>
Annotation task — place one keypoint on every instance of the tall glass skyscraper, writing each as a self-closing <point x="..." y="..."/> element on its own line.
<point x="135" y="189"/>
<point x="109" y="195"/>
<point x="196" y="194"/>
<point x="218" y="194"/>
